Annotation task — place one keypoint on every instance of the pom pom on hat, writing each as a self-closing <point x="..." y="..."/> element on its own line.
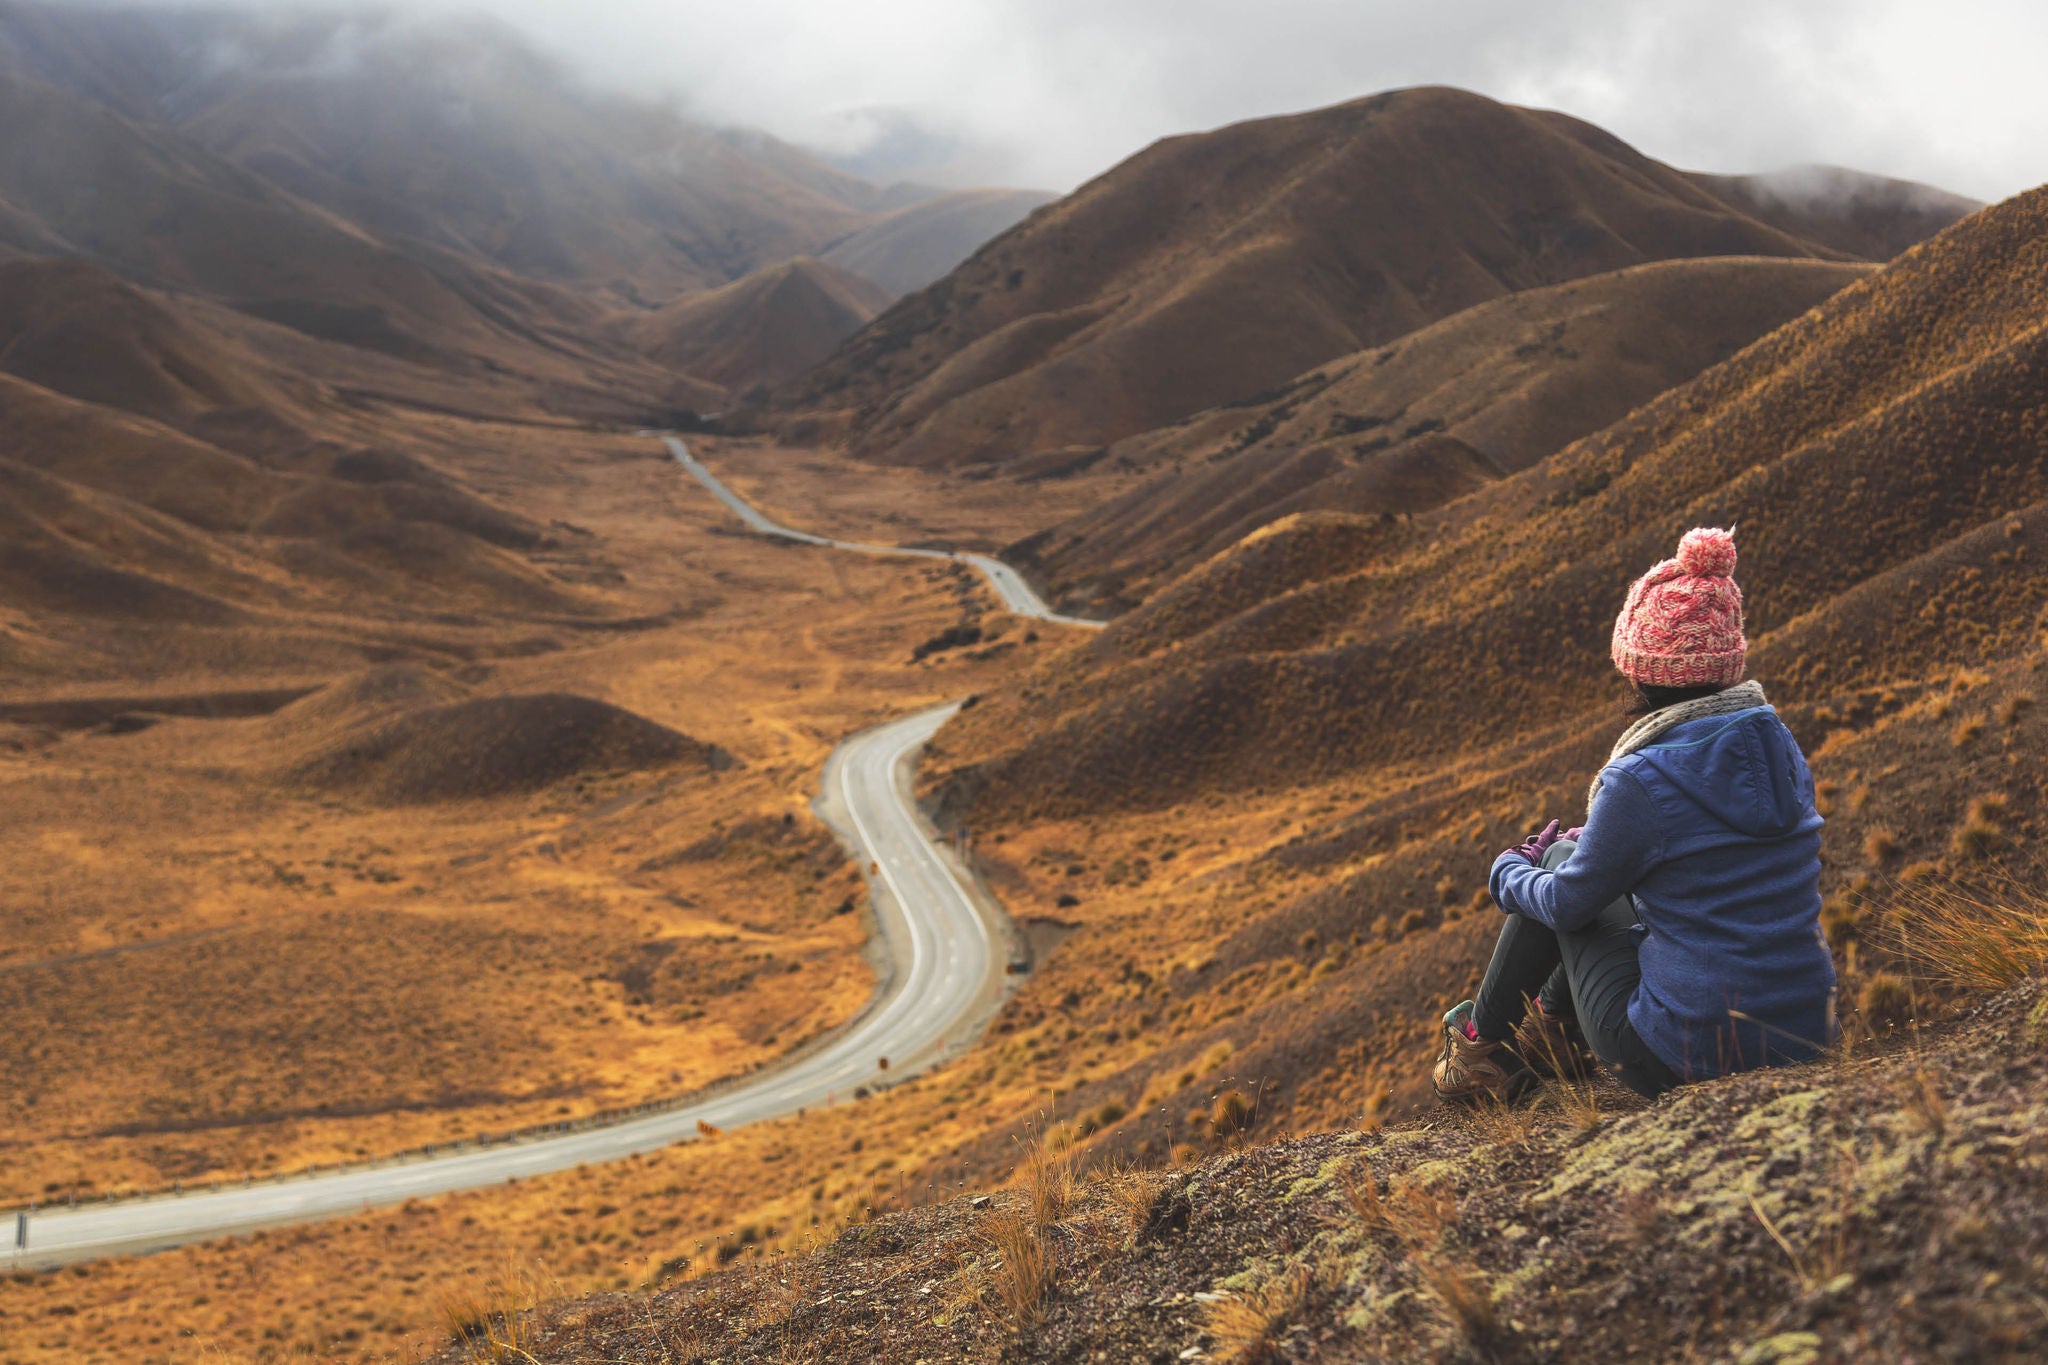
<point x="1707" y="552"/>
<point x="1682" y="624"/>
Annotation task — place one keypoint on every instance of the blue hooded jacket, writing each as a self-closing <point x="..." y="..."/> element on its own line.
<point x="1713" y="831"/>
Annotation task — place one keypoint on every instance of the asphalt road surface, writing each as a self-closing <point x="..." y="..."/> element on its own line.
<point x="945" y="976"/>
<point x="1017" y="595"/>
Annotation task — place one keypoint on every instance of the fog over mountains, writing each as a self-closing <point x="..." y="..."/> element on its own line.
<point x="1050" y="94"/>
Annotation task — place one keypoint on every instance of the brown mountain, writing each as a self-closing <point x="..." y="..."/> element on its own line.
<point x="1871" y="216"/>
<point x="157" y="209"/>
<point x="1210" y="267"/>
<point x="1880" y="454"/>
<point x="769" y="327"/>
<point x="924" y="242"/>
<point x="75" y="328"/>
<point x="453" y="134"/>
<point x="1407" y="427"/>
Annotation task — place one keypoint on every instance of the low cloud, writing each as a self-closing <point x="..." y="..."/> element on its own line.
<point x="1050" y="92"/>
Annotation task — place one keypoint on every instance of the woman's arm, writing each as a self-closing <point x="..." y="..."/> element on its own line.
<point x="1617" y="848"/>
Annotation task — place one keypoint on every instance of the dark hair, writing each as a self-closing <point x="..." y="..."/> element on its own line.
<point x="1643" y="698"/>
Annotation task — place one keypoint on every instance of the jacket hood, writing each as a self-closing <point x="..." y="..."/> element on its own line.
<point x="1743" y="769"/>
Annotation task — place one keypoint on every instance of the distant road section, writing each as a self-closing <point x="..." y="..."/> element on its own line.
<point x="1017" y="595"/>
<point x="945" y="974"/>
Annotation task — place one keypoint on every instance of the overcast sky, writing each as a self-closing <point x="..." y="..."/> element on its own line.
<point x="1049" y="92"/>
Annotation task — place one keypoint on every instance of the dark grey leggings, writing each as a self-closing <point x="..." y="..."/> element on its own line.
<point x="1589" y="974"/>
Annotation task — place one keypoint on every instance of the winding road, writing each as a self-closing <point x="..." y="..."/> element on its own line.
<point x="945" y="976"/>
<point x="1017" y="595"/>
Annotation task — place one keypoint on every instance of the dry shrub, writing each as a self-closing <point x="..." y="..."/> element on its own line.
<point x="1466" y="1301"/>
<point x="1132" y="1193"/>
<point x="1979" y="942"/>
<point x="1099" y="1118"/>
<point x="1235" y="1111"/>
<point x="1499" y="1124"/>
<point x="2014" y="707"/>
<point x="1885" y="1001"/>
<point x="1880" y="846"/>
<point x="1980" y="831"/>
<point x="1415" y="1215"/>
<point x="1968" y="730"/>
<point x="1047" y="1178"/>
<point x="1024" y="1278"/>
<point x="1580" y="1104"/>
<point x="1247" y="1326"/>
<point x="488" y="1321"/>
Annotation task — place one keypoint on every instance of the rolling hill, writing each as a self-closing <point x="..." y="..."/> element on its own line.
<point x="924" y="242"/>
<point x="769" y="327"/>
<point x="1880" y="454"/>
<point x="1406" y="427"/>
<point x="1871" y="216"/>
<point x="1214" y="266"/>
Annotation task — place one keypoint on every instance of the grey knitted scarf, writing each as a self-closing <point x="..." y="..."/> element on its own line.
<point x="1741" y="697"/>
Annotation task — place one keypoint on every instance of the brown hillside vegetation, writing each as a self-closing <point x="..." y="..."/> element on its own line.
<point x="496" y="746"/>
<point x="1214" y="266"/>
<point x="1872" y="1208"/>
<point x="76" y="328"/>
<point x="924" y="242"/>
<point x="1420" y="422"/>
<point x="1881" y="454"/>
<point x="762" y="330"/>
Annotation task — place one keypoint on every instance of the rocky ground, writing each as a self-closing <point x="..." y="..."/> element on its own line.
<point x="1887" y="1204"/>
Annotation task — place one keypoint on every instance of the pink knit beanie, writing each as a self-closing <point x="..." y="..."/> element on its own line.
<point x="1682" y="626"/>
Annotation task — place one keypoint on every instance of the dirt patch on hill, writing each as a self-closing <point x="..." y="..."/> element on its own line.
<point x="498" y="746"/>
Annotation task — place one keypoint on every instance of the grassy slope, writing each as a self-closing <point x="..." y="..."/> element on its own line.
<point x="1407" y="427"/>
<point x="1881" y="449"/>
<point x="1877" y="1207"/>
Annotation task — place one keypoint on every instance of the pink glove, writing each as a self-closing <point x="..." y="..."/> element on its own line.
<point x="1539" y="842"/>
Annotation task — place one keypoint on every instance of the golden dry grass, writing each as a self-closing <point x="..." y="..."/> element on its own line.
<point x="1248" y="1324"/>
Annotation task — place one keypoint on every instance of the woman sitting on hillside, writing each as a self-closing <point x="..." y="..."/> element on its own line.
<point x="1677" y="934"/>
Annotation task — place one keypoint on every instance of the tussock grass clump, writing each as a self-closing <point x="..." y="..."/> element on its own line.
<point x="1027" y="1269"/>
<point x="1234" y="1112"/>
<point x="1980" y="942"/>
<point x="1247" y="1326"/>
<point x="488" y="1321"/>
<point x="1132" y="1193"/>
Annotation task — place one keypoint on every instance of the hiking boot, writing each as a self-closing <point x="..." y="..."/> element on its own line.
<point x="1469" y="1070"/>
<point x="1552" y="1046"/>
